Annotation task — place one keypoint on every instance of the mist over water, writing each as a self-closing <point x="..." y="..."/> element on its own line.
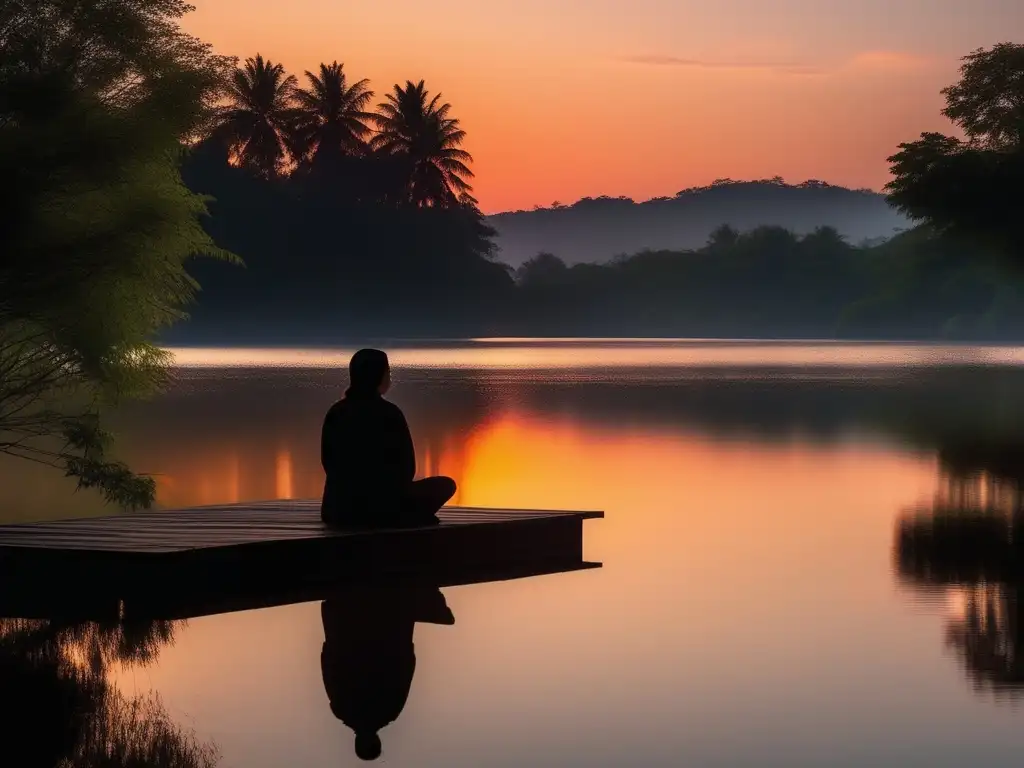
<point x="758" y="604"/>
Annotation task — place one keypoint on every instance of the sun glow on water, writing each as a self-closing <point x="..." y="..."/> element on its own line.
<point x="519" y="354"/>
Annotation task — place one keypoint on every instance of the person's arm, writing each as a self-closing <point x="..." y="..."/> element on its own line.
<point x="407" y="452"/>
<point x="326" y="441"/>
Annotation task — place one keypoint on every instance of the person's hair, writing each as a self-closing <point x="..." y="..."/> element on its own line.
<point x="366" y="371"/>
<point x="368" y="746"/>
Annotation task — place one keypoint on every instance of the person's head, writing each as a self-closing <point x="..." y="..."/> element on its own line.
<point x="368" y="745"/>
<point x="369" y="373"/>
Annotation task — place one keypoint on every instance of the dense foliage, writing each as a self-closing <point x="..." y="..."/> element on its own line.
<point x="771" y="283"/>
<point x="971" y="188"/>
<point x="323" y="266"/>
<point x="95" y="100"/>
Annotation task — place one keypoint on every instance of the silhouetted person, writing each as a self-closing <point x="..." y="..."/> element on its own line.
<point x="368" y="657"/>
<point x="367" y="453"/>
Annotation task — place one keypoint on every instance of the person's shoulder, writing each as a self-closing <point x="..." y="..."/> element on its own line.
<point x="392" y="409"/>
<point x="338" y="407"/>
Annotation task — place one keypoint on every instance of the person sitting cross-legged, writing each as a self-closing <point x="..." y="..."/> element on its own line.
<point x="367" y="453"/>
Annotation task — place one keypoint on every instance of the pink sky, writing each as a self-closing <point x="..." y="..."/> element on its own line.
<point x="568" y="98"/>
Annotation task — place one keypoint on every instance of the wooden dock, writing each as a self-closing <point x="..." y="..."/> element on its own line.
<point x="203" y="560"/>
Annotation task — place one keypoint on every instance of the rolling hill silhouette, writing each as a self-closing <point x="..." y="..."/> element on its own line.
<point x="598" y="229"/>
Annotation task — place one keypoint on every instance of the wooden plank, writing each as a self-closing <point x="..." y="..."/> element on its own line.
<point x="299" y="510"/>
<point x="295" y="513"/>
<point x="226" y="525"/>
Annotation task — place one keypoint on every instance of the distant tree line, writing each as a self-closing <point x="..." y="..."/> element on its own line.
<point x="596" y="229"/>
<point x="767" y="282"/>
<point x="771" y="283"/>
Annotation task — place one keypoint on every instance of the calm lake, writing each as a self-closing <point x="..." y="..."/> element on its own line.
<point x="754" y="607"/>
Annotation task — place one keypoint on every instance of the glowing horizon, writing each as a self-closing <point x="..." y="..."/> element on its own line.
<point x="597" y="355"/>
<point x="642" y="99"/>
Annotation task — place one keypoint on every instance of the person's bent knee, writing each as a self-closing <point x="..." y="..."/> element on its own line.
<point x="449" y="486"/>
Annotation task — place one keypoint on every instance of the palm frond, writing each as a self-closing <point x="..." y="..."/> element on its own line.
<point x="330" y="113"/>
<point x="412" y="122"/>
<point x="258" y="118"/>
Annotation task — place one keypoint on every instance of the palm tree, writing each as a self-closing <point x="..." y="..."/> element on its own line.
<point x="329" y="116"/>
<point x="256" y="123"/>
<point x="423" y="132"/>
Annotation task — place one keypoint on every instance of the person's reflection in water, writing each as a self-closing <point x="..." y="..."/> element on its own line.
<point x="367" y="454"/>
<point x="368" y="657"/>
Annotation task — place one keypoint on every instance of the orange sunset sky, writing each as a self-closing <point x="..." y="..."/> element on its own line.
<point x="568" y="98"/>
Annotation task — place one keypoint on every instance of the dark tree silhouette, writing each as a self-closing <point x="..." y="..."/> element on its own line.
<point x="722" y="238"/>
<point x="258" y="121"/>
<point x="420" y="129"/>
<point x="825" y="239"/>
<point x="971" y="187"/>
<point x="970" y="539"/>
<point x="330" y="116"/>
<point x="988" y="101"/>
<point x="543" y="269"/>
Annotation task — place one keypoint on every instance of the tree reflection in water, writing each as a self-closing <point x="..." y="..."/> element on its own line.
<point x="970" y="542"/>
<point x="60" y="709"/>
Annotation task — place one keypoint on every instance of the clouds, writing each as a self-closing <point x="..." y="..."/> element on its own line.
<point x="661" y="60"/>
<point x="889" y="61"/>
<point x="884" y="61"/>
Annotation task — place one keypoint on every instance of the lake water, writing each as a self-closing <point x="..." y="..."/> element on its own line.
<point x="754" y="607"/>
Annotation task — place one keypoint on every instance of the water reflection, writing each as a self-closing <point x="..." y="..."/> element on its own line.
<point x="970" y="544"/>
<point x="62" y="711"/>
<point x="212" y="448"/>
<point x="235" y="434"/>
<point x="368" y="657"/>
